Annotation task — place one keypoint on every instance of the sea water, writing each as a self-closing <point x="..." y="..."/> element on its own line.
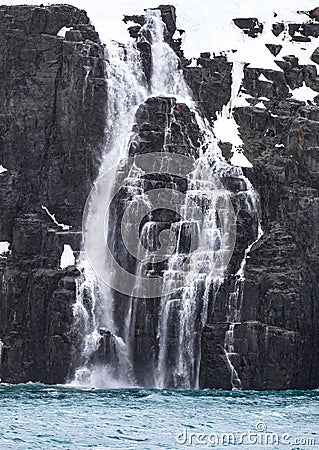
<point x="36" y="416"/>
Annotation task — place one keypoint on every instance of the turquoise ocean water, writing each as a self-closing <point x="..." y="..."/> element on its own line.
<point x="35" y="416"/>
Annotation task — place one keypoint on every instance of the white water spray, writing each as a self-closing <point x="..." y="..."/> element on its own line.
<point x="93" y="310"/>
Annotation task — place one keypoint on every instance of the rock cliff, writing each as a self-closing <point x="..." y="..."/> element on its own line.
<point x="52" y="123"/>
<point x="277" y="338"/>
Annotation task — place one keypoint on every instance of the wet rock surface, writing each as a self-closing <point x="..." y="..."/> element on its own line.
<point x="210" y="83"/>
<point x="161" y="125"/>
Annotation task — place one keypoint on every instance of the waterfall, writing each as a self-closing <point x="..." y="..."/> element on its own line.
<point x="166" y="77"/>
<point x="234" y="305"/>
<point x="173" y="322"/>
<point x="179" y="356"/>
<point x="235" y="298"/>
<point x="93" y="310"/>
<point x="1" y="349"/>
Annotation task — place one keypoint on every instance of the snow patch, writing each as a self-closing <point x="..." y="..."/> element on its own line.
<point x="4" y="247"/>
<point x="240" y="160"/>
<point x="61" y="33"/>
<point x="176" y="35"/>
<point x="304" y="93"/>
<point x="263" y="78"/>
<point x="241" y="100"/>
<point x="193" y="63"/>
<point x="225" y="126"/>
<point x="260" y="105"/>
<point x="3" y="169"/>
<point x="209" y="25"/>
<point x="226" y="129"/>
<point x="52" y="216"/>
<point x="279" y="146"/>
<point x="241" y="271"/>
<point x="67" y="257"/>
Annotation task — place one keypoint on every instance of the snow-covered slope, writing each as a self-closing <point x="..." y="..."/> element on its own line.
<point x="208" y="24"/>
<point x="210" y="27"/>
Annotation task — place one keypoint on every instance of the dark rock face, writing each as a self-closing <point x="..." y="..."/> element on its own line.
<point x="278" y="28"/>
<point x="250" y="26"/>
<point x="314" y="14"/>
<point x="307" y="30"/>
<point x="276" y="340"/>
<point x="278" y="84"/>
<point x="274" y="49"/>
<point x="210" y="83"/>
<point x="52" y="123"/>
<point x="315" y="56"/>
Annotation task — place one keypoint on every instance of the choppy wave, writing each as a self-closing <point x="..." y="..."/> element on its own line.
<point x="38" y="416"/>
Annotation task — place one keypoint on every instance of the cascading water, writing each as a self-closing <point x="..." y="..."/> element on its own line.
<point x="93" y="311"/>
<point x="179" y="356"/>
<point x="235" y="298"/>
<point x="175" y="344"/>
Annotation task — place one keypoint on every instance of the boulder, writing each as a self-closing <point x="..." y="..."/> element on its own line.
<point x="315" y="56"/>
<point x="278" y="28"/>
<point x="250" y="26"/>
<point x="274" y="49"/>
